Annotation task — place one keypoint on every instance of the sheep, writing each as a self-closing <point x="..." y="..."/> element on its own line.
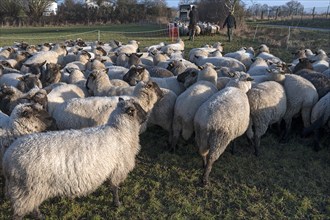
<point x="80" y="60"/>
<point x="268" y="76"/>
<point x="155" y="71"/>
<point x="138" y="74"/>
<point x="258" y="67"/>
<point x="244" y="55"/>
<point x="7" y="53"/>
<point x="62" y="93"/>
<point x="116" y="72"/>
<point x="18" y="60"/>
<point x="320" y="117"/>
<point x="135" y="75"/>
<point x="61" y="168"/>
<point x="162" y="112"/>
<point x="222" y="118"/>
<point x="188" y="102"/>
<point x="99" y="84"/>
<point x="10" y="97"/>
<point x="24" y="119"/>
<point x="159" y="57"/>
<point x="155" y="47"/>
<point x="264" y="53"/>
<point x="22" y="82"/>
<point x="321" y="61"/>
<point x="131" y="47"/>
<point x="79" y="113"/>
<point x="5" y="70"/>
<point x="133" y="59"/>
<point x="301" y="97"/>
<point x="303" y="63"/>
<point x="176" y="67"/>
<point x="232" y="63"/>
<point x="267" y="106"/>
<point x="170" y="48"/>
<point x="319" y="80"/>
<point x="53" y="56"/>
<point x="51" y="75"/>
<point x="326" y="72"/>
<point x="204" y="51"/>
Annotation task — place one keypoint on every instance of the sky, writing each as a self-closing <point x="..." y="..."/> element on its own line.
<point x="305" y="3"/>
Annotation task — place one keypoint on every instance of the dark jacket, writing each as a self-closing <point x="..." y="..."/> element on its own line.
<point x="193" y="17"/>
<point x="230" y="21"/>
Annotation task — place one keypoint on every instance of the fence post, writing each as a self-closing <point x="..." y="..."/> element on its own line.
<point x="98" y="35"/>
<point x="287" y="41"/>
<point x="255" y="33"/>
<point x="328" y="11"/>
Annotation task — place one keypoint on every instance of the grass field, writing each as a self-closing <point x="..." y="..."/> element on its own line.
<point x="287" y="181"/>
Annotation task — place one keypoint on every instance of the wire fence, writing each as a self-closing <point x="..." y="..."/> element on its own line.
<point x="94" y="35"/>
<point x="289" y="37"/>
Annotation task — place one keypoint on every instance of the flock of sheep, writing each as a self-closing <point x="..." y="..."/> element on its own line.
<point x="95" y="99"/>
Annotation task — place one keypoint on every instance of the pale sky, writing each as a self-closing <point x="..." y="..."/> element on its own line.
<point x="305" y="3"/>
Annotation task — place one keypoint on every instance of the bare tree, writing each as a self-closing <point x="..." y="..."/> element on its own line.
<point x="294" y="7"/>
<point x="231" y="5"/>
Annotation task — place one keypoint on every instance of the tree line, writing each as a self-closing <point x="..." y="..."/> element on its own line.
<point x="30" y="12"/>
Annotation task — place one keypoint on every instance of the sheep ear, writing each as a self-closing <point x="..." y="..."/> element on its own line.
<point x="268" y="70"/>
<point x="249" y="79"/>
<point x="120" y="99"/>
<point x="128" y="55"/>
<point x="139" y="55"/>
<point x="200" y="67"/>
<point x="21" y="78"/>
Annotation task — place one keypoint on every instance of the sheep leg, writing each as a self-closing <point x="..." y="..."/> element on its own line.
<point x="213" y="155"/>
<point x="256" y="143"/>
<point x="285" y="136"/>
<point x="115" y="195"/>
<point x="37" y="214"/>
<point x="174" y="142"/>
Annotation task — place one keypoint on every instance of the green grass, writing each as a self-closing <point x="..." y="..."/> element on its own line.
<point x="287" y="181"/>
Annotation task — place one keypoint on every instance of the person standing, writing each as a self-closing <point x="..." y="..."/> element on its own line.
<point x="193" y="19"/>
<point x="231" y="23"/>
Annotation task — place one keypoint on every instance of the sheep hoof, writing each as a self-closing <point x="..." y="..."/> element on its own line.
<point x="205" y="182"/>
<point x="117" y="203"/>
<point x="37" y="214"/>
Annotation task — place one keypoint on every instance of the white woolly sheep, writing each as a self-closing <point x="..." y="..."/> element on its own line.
<point x="244" y="55"/>
<point x="188" y="102"/>
<point x="267" y="106"/>
<point x="258" y="67"/>
<point x="320" y="117"/>
<point x="301" y="97"/>
<point x="222" y="118"/>
<point x="62" y="93"/>
<point x="99" y="84"/>
<point x="57" y="163"/>
<point x="24" y="119"/>
<point x="79" y="113"/>
<point x="53" y="56"/>
<point x="129" y="48"/>
<point x="229" y="62"/>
